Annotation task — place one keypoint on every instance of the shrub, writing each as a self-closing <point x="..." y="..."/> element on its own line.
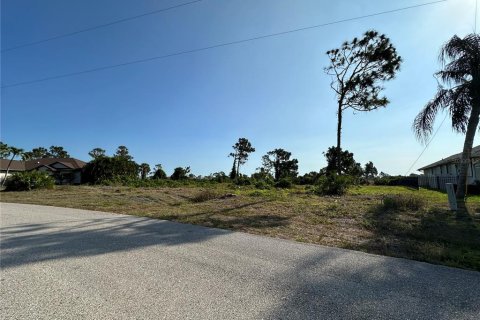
<point x="262" y="185"/>
<point x="30" y="180"/>
<point x="333" y="185"/>
<point x="284" y="183"/>
<point x="205" y="196"/>
<point x="403" y="202"/>
<point x="243" y="180"/>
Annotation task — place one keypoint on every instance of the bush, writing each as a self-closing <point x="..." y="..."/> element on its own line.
<point x="30" y="180"/>
<point x="403" y="202"/>
<point x="262" y="185"/>
<point x="284" y="183"/>
<point x="205" y="196"/>
<point x="243" y="181"/>
<point x="333" y="185"/>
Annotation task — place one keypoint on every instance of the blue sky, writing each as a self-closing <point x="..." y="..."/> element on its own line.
<point x="189" y="110"/>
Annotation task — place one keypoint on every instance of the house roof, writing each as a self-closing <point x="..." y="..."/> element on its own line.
<point x="17" y="165"/>
<point x="453" y="158"/>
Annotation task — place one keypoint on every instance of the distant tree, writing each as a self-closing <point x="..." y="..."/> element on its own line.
<point x="27" y="155"/>
<point x="370" y="171"/>
<point x="279" y="161"/>
<point x="461" y="99"/>
<point x="309" y="178"/>
<point x="13" y="153"/>
<point x="4" y="150"/>
<point x="357" y="69"/>
<point x="110" y="169"/>
<point x="180" y="173"/>
<point x="58" y="152"/>
<point x="384" y="175"/>
<point x="240" y="155"/>
<point x="97" y="153"/>
<point x="144" y="170"/>
<point x="219" y="176"/>
<point x="348" y="165"/>
<point x="159" y="173"/>
<point x="233" y="172"/>
<point x="122" y="152"/>
<point x="39" y="153"/>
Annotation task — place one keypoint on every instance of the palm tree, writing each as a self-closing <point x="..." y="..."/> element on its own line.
<point x="13" y="152"/>
<point x="461" y="99"/>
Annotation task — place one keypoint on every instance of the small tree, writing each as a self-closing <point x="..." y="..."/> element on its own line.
<point x="159" y="172"/>
<point x="144" y="170"/>
<point x="180" y="173"/>
<point x="240" y="155"/>
<point x="97" y="153"/>
<point x="348" y="165"/>
<point x="370" y="171"/>
<point x="279" y="161"/>
<point x="357" y="69"/>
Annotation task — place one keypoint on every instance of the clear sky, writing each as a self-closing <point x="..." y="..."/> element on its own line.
<point x="189" y="110"/>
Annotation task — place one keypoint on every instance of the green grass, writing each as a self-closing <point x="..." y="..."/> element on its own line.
<point x="420" y="227"/>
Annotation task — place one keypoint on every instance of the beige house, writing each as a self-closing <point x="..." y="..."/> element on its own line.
<point x="64" y="170"/>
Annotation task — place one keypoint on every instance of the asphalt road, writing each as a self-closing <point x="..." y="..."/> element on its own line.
<point x="62" y="263"/>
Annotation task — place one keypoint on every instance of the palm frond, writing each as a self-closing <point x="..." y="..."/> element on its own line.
<point x="423" y="123"/>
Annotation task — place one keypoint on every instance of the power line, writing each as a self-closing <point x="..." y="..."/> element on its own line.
<point x="100" y="26"/>
<point x="216" y="46"/>
<point x="428" y="144"/>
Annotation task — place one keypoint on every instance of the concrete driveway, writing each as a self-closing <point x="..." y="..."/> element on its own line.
<point x="62" y="263"/>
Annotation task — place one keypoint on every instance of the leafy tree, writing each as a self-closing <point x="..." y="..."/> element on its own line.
<point x="348" y="165"/>
<point x="13" y="152"/>
<point x="357" y="69"/>
<point x="4" y="150"/>
<point x="39" y="153"/>
<point x="122" y="152"/>
<point x="27" y="155"/>
<point x="159" y="173"/>
<point x="97" y="153"/>
<point x="219" y="176"/>
<point x="58" y="152"/>
<point x="370" y="171"/>
<point x="279" y="161"/>
<point x="110" y="168"/>
<point x="309" y="178"/>
<point x="460" y="97"/>
<point x="144" y="170"/>
<point x="240" y="155"/>
<point x="180" y="173"/>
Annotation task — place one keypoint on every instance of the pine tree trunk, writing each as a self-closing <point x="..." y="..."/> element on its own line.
<point x="238" y="167"/>
<point x="339" y="136"/>
<point x="466" y="155"/>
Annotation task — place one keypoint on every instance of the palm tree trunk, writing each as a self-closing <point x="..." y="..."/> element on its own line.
<point x="339" y="136"/>
<point x="8" y="169"/>
<point x="466" y="155"/>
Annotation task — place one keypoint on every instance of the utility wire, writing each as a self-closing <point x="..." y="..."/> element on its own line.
<point x="65" y="75"/>
<point x="428" y="144"/>
<point x="100" y="26"/>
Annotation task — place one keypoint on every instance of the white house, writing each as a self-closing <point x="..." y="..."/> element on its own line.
<point x="436" y="174"/>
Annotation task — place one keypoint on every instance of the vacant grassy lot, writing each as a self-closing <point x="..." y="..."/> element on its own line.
<point x="393" y="221"/>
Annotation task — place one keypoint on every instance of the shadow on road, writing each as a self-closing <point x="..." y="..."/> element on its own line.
<point x="29" y="243"/>
<point x="338" y="285"/>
